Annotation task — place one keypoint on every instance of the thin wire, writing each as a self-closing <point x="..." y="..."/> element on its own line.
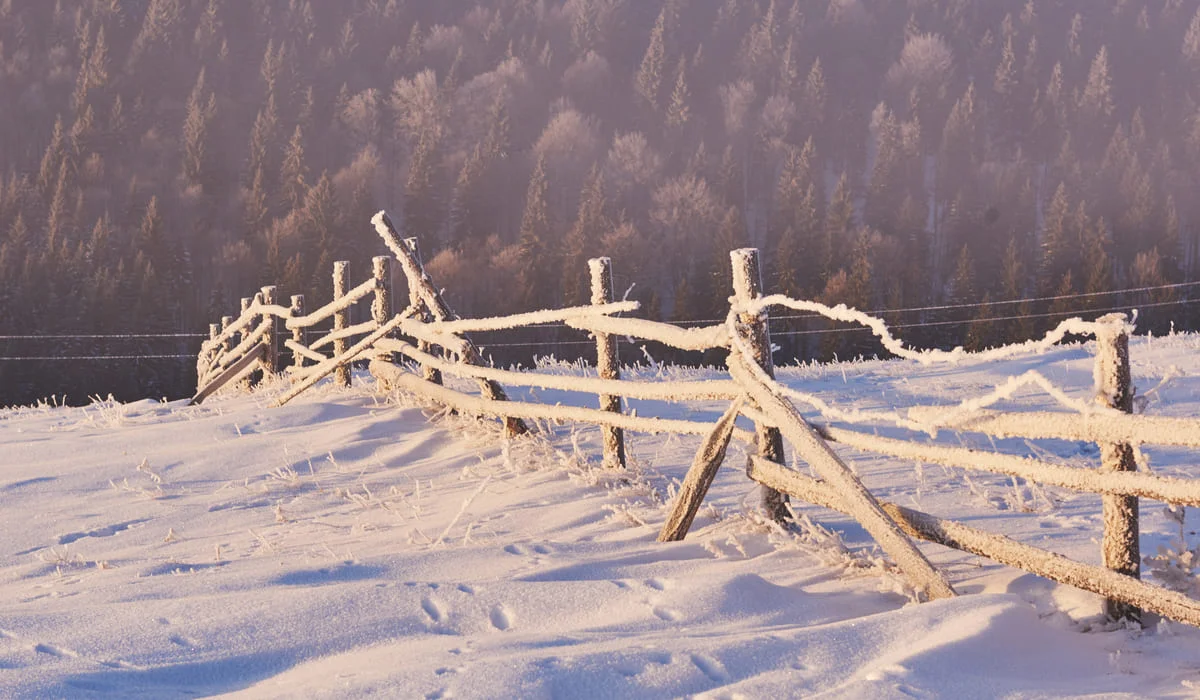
<point x="82" y="358"/>
<point x="976" y="305"/>
<point x="95" y="336"/>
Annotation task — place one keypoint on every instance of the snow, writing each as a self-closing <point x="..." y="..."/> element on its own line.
<point x="352" y="544"/>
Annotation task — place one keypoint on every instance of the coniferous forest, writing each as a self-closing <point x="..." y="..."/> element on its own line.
<point x="160" y="159"/>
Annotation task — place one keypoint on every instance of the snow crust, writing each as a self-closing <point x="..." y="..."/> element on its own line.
<point x="345" y="546"/>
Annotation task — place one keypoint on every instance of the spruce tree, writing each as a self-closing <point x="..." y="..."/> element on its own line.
<point x="534" y="242"/>
<point x="648" y="82"/>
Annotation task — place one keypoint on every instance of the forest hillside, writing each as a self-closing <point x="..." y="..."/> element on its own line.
<point x="160" y="159"/>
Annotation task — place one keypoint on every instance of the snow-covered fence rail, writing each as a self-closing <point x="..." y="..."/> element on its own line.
<point x="258" y="329"/>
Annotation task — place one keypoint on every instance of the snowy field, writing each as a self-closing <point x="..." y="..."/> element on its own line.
<point x="351" y="544"/>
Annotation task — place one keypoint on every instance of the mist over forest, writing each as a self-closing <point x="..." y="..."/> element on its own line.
<point x="160" y="159"/>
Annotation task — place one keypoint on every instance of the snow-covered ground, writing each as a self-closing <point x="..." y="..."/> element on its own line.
<point x="351" y="544"/>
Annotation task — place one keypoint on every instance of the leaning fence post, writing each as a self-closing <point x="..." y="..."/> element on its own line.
<point x="747" y="286"/>
<point x="271" y="358"/>
<point x="298" y="333"/>
<point x="1114" y="387"/>
<point x="430" y="374"/>
<point x="606" y="363"/>
<point x="341" y="321"/>
<point x="381" y="306"/>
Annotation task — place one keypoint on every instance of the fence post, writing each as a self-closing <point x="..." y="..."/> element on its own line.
<point x="226" y="322"/>
<point x="430" y="374"/>
<point x="298" y="333"/>
<point x="1114" y="386"/>
<point x="214" y="330"/>
<point x="381" y="306"/>
<point x="271" y="358"/>
<point x="341" y="321"/>
<point x="747" y="286"/>
<point x="607" y="364"/>
<point x="248" y="382"/>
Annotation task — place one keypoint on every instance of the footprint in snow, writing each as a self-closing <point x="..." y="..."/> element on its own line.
<point x="666" y="614"/>
<point x="464" y="588"/>
<point x="658" y="584"/>
<point x="57" y="652"/>
<point x="434" y="609"/>
<point x="710" y="667"/>
<point x="516" y="549"/>
<point x="502" y="618"/>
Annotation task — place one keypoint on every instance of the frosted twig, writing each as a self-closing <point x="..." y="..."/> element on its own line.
<point x="463" y="509"/>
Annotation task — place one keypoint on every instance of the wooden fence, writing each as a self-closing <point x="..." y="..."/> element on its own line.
<point x="435" y="342"/>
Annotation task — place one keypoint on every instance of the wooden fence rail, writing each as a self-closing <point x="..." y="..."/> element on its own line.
<point x="434" y="340"/>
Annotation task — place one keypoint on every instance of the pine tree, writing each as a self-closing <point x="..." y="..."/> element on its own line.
<point x="422" y="208"/>
<point x="53" y="157"/>
<point x="293" y="172"/>
<point x="262" y="138"/>
<point x="199" y="117"/>
<point x="982" y="332"/>
<point x="254" y="207"/>
<point x="322" y="217"/>
<point x="839" y="223"/>
<point x="648" y="82"/>
<point x="1191" y="43"/>
<point x="961" y="291"/>
<point x="678" y="111"/>
<point x="585" y="30"/>
<point x="583" y="238"/>
<point x="1056" y="243"/>
<point x="534" y="243"/>
<point x="959" y="150"/>
<point x="58" y="220"/>
<point x="1096" y="101"/>
<point x="462" y="224"/>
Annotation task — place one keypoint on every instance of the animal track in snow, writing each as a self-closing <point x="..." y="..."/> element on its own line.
<point x="658" y="584"/>
<point x="434" y="609"/>
<point x="464" y="588"/>
<point x="666" y="614"/>
<point x="710" y="667"/>
<point x="502" y="618"/>
<point x="58" y="652"/>
<point x="106" y="531"/>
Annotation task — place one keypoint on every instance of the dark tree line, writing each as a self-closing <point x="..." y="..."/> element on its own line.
<point x="160" y="159"/>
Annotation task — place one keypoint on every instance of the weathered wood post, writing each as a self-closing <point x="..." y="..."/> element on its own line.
<point x="1114" y="388"/>
<point x="747" y="286"/>
<point x="226" y="322"/>
<point x="214" y="330"/>
<point x="430" y="374"/>
<point x="299" y="332"/>
<point x="699" y="477"/>
<point x="254" y="377"/>
<point x="341" y="321"/>
<point x="271" y="358"/>
<point x="381" y="305"/>
<point x="607" y="363"/>
<point x="440" y="310"/>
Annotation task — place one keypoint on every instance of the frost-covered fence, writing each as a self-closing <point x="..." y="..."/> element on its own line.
<point x="414" y="349"/>
<point x="250" y="343"/>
